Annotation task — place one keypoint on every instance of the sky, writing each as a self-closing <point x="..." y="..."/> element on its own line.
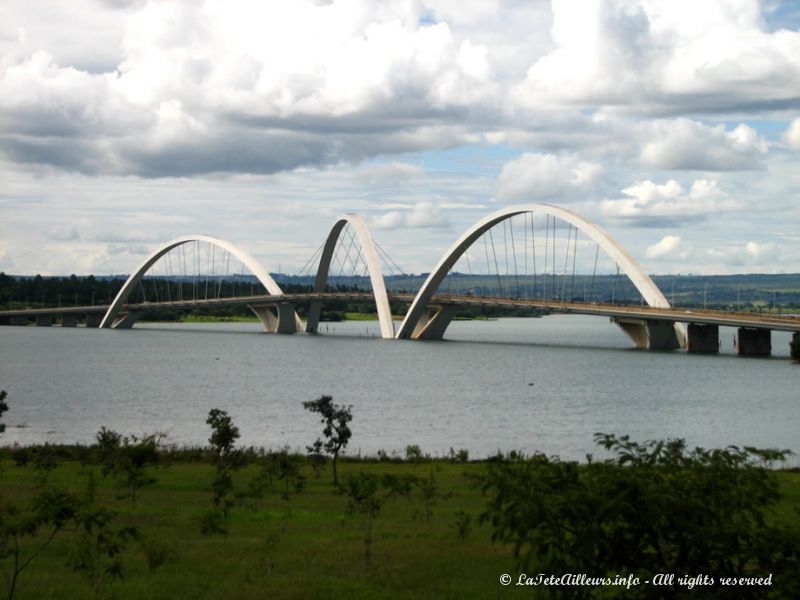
<point x="674" y="124"/>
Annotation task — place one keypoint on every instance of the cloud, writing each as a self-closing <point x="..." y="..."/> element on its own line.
<point x="760" y="251"/>
<point x="248" y="88"/>
<point x="667" y="245"/>
<point x="63" y="233"/>
<point x="134" y="249"/>
<point x="650" y="204"/>
<point x="536" y="176"/>
<point x="689" y="145"/>
<point x="665" y="57"/>
<point x="792" y="135"/>
<point x="421" y="215"/>
<point x="387" y="173"/>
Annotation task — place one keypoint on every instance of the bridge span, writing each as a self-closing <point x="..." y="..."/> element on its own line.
<point x="648" y="327"/>
<point x="652" y="323"/>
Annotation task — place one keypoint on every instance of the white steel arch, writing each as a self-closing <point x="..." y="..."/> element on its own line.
<point x="647" y="288"/>
<point x="266" y="280"/>
<point x="373" y="266"/>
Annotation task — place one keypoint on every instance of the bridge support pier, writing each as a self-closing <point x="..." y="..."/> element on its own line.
<point x="69" y="321"/>
<point x="754" y="342"/>
<point x="703" y="339"/>
<point x="281" y="321"/>
<point x="652" y="335"/>
<point x="125" y="321"/>
<point x="433" y="326"/>
<point x="314" y="313"/>
<point x="44" y="320"/>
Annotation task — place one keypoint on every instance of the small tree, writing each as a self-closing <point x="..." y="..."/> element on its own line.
<point x="128" y="458"/>
<point x="19" y="526"/>
<point x="223" y="437"/>
<point x="362" y="497"/>
<point x="335" y="417"/>
<point x="98" y="550"/>
<point x="289" y="472"/>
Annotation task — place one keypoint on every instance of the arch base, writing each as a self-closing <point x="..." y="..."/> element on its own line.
<point x="435" y="323"/>
<point x="125" y="320"/>
<point x="281" y="319"/>
<point x="650" y="335"/>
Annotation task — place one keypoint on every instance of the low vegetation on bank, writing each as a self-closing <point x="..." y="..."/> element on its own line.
<point x="131" y="517"/>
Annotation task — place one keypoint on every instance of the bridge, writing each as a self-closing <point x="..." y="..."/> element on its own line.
<point x="178" y="282"/>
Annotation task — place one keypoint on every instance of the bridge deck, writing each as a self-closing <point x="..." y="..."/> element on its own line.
<point x="683" y="315"/>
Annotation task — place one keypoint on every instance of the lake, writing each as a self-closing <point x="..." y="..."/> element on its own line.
<point x="512" y="384"/>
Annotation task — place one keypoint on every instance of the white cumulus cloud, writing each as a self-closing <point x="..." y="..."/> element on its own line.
<point x="420" y="215"/>
<point x="650" y="204"/>
<point x="667" y="245"/>
<point x="686" y="144"/>
<point x="535" y="176"/>
<point x="792" y="134"/>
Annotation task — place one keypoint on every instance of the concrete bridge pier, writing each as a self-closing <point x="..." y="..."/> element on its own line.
<point x="69" y="321"/>
<point x="703" y="339"/>
<point x="281" y="320"/>
<point x="314" y="313"/>
<point x="652" y="335"/>
<point x="126" y="320"/>
<point x="44" y="320"/>
<point x="754" y="342"/>
<point x="433" y="325"/>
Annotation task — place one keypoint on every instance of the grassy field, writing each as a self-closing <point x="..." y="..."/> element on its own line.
<point x="304" y="547"/>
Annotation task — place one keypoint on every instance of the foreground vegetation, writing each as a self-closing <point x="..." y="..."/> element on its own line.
<point x="131" y="518"/>
<point x="395" y="528"/>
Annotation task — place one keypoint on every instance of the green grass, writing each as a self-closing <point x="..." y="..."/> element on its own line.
<point x="304" y="548"/>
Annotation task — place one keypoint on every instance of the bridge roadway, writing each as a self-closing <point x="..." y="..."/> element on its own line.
<point x="619" y="311"/>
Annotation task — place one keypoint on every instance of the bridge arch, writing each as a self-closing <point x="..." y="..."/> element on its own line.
<point x="640" y="279"/>
<point x="373" y="267"/>
<point x="109" y="319"/>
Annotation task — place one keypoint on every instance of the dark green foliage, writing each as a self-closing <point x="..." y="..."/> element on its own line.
<point x="460" y="456"/>
<point x="288" y="467"/>
<point x="363" y="498"/>
<point x="463" y="524"/>
<point x="413" y="453"/>
<point x="156" y="553"/>
<point x="398" y="485"/>
<point x="98" y="549"/>
<point x="655" y="508"/>
<point x="429" y="490"/>
<point x="336" y="430"/>
<point x="108" y="443"/>
<point x="45" y="460"/>
<point x="51" y="511"/>
<point x="316" y="457"/>
<point x="223" y="434"/>
<point x="223" y="437"/>
<point x="128" y="458"/>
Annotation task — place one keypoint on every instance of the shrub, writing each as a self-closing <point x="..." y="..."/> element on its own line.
<point x="654" y="508"/>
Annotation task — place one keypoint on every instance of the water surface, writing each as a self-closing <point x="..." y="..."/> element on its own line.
<point x="527" y="384"/>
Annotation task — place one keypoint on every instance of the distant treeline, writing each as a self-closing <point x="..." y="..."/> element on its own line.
<point x="745" y="292"/>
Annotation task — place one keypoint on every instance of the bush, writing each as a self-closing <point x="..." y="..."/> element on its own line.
<point x="655" y="508"/>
